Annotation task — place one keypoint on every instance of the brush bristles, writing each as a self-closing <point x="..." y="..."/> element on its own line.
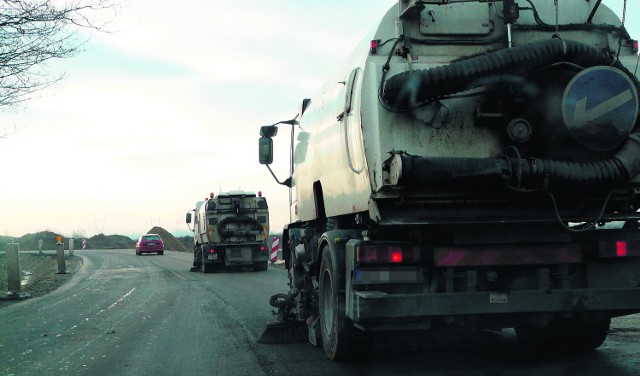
<point x="283" y="334"/>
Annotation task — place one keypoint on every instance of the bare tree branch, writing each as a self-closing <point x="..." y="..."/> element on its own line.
<point x="32" y="32"/>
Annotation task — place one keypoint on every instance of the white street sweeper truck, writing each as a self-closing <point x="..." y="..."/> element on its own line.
<point x="230" y="229"/>
<point x="473" y="163"/>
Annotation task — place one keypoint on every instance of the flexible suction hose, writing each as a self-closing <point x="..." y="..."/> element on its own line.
<point x="619" y="169"/>
<point x="225" y="232"/>
<point x="405" y="90"/>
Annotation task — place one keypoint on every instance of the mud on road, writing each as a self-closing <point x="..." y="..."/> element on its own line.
<point x="38" y="274"/>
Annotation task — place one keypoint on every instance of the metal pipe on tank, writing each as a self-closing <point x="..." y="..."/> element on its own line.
<point x="511" y="14"/>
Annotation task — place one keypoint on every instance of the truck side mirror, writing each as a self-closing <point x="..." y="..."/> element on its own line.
<point x="268" y="131"/>
<point x="265" y="152"/>
<point x="188" y="217"/>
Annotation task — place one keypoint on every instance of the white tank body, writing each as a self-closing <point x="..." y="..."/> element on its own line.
<point x="346" y="136"/>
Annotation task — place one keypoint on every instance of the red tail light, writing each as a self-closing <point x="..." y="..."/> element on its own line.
<point x="621" y="249"/>
<point x="635" y="45"/>
<point x="396" y="256"/>
<point x="212" y="251"/>
<point x="263" y="248"/>
<point x="387" y="254"/>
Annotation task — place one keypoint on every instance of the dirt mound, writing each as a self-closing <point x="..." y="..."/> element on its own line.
<point x="170" y="241"/>
<point x="29" y="242"/>
<point x="102" y="241"/>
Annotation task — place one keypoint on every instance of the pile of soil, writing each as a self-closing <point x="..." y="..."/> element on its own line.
<point x="102" y="241"/>
<point x="38" y="273"/>
<point x="29" y="242"/>
<point x="171" y="243"/>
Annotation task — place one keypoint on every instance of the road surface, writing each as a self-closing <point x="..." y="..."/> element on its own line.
<point x="123" y="314"/>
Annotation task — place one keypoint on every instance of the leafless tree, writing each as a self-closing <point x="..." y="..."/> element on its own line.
<point x="32" y="32"/>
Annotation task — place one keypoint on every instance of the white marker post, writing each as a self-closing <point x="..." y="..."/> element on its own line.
<point x="70" y="246"/>
<point x="62" y="267"/>
<point x="13" y="268"/>
<point x="13" y="273"/>
<point x="40" y="247"/>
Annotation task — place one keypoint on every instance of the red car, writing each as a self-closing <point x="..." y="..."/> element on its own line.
<point x="149" y="243"/>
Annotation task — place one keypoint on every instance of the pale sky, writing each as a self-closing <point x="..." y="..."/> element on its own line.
<point x="153" y="117"/>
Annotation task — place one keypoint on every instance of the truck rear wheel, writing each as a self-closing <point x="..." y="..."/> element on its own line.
<point x="206" y="268"/>
<point x="341" y="340"/>
<point x="567" y="334"/>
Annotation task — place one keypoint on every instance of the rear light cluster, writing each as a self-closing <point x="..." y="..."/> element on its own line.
<point x="387" y="254"/>
<point x="619" y="248"/>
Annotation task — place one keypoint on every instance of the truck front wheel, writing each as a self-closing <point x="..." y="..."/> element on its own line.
<point x="197" y="256"/>
<point x="341" y="340"/>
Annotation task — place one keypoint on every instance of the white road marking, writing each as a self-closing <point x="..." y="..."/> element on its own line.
<point x="121" y="298"/>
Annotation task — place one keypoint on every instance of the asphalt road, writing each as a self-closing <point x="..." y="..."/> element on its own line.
<point x="127" y="315"/>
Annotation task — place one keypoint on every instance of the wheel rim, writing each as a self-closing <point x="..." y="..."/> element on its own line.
<point x="327" y="303"/>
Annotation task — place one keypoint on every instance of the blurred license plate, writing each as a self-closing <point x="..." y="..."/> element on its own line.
<point x="151" y="243"/>
<point x="213" y="256"/>
<point x="498" y="298"/>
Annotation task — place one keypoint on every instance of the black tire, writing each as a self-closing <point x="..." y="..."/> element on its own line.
<point x="260" y="266"/>
<point x="340" y="339"/>
<point x="591" y="335"/>
<point x="197" y="257"/>
<point x="206" y="268"/>
<point x="564" y="334"/>
<point x="161" y="253"/>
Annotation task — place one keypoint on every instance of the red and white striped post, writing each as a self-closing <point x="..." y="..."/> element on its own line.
<point x="274" y="248"/>
<point x="84" y="243"/>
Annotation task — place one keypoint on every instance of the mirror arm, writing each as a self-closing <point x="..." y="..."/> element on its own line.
<point x="287" y="182"/>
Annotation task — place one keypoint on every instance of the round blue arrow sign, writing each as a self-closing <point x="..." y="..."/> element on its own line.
<point x="600" y="107"/>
